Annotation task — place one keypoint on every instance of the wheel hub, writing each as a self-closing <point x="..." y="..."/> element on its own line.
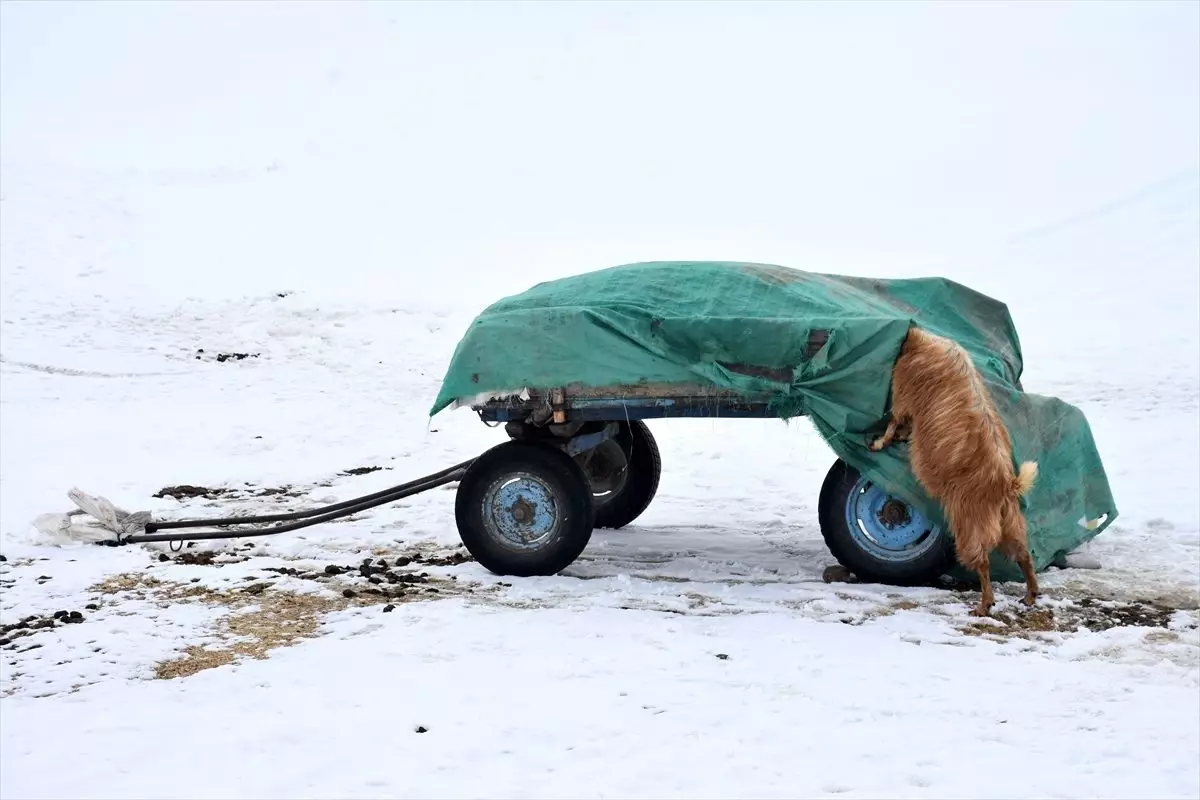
<point x="894" y="513"/>
<point x="520" y="509"/>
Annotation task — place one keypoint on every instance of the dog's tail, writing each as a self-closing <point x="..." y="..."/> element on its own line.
<point x="1025" y="478"/>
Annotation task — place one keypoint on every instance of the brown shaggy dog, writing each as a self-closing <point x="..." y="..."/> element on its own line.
<point x="961" y="453"/>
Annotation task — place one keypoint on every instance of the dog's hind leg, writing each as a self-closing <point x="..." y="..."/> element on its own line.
<point x="973" y="544"/>
<point x="1014" y="544"/>
<point x="1020" y="554"/>
<point x="987" y="599"/>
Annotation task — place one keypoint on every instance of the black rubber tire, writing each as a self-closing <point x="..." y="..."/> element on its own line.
<point x="644" y="465"/>
<point x="924" y="570"/>
<point x="572" y="496"/>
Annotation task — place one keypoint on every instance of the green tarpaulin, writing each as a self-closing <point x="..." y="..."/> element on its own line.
<point x="685" y="322"/>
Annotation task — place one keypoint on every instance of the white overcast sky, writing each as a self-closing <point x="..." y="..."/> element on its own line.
<point x="807" y="130"/>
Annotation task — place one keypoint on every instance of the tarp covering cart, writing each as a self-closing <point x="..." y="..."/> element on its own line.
<point x="574" y="366"/>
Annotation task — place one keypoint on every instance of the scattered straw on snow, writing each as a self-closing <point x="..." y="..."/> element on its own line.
<point x="262" y="617"/>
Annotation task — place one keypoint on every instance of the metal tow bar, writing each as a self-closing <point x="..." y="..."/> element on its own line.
<point x="293" y="520"/>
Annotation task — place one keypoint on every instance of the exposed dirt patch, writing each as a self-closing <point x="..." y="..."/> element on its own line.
<point x="221" y="358"/>
<point x="1071" y="616"/>
<point x="1102" y="615"/>
<point x="272" y="491"/>
<point x="203" y="558"/>
<point x="263" y="616"/>
<point x="10" y="635"/>
<point x="892" y="607"/>
<point x="382" y="580"/>
<point x="363" y="470"/>
<point x="452" y="560"/>
<point x="397" y="558"/>
<point x="187" y="491"/>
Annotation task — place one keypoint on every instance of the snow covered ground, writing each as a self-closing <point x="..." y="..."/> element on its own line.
<point x="698" y="653"/>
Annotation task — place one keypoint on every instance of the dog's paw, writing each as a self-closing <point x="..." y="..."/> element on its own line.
<point x="876" y="444"/>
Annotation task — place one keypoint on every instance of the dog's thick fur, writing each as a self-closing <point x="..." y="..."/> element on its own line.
<point x="962" y="454"/>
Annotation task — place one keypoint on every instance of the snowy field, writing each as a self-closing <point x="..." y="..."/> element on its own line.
<point x="698" y="653"/>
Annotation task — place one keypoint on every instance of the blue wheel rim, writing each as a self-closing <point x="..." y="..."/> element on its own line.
<point x="520" y="511"/>
<point x="906" y="535"/>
